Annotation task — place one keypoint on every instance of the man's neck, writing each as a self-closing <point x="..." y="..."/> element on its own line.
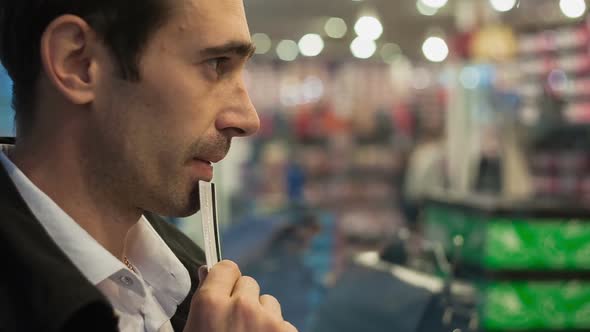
<point x="57" y="169"/>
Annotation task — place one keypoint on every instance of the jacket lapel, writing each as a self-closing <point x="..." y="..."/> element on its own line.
<point x="41" y="289"/>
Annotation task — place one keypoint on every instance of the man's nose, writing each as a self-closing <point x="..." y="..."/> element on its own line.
<point x="239" y="118"/>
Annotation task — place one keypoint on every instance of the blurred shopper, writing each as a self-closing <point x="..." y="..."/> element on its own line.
<point x="426" y="168"/>
<point x="426" y="172"/>
<point x="121" y="108"/>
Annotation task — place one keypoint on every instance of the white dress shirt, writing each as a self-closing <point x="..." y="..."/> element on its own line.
<point x="144" y="301"/>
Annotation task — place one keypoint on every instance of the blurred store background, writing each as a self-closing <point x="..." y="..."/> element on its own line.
<point x="422" y="165"/>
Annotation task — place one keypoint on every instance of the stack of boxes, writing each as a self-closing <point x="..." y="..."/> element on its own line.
<point x="529" y="261"/>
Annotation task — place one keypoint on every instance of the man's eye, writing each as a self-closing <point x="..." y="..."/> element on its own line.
<point x="216" y="63"/>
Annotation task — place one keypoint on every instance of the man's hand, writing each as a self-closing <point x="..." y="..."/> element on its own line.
<point x="226" y="301"/>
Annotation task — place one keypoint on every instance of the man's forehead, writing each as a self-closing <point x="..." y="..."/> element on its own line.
<point x="211" y="19"/>
<point x="204" y="5"/>
<point x="210" y="10"/>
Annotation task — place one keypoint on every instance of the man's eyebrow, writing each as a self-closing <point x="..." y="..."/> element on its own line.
<point x="243" y="49"/>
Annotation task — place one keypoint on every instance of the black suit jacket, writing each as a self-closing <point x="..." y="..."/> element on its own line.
<point x="42" y="290"/>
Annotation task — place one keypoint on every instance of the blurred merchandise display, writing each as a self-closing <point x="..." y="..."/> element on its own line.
<point x="511" y="236"/>
<point x="560" y="162"/>
<point x="529" y="259"/>
<point x="534" y="306"/>
<point x="368" y="144"/>
<point x="333" y="150"/>
<point x="335" y="194"/>
<point x="555" y="66"/>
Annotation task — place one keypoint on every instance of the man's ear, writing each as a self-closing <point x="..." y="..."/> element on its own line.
<point x="68" y="56"/>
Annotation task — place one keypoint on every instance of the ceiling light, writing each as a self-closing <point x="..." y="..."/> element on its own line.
<point x="287" y="50"/>
<point x="311" y="44"/>
<point x="573" y="8"/>
<point x="435" y="49"/>
<point x="503" y="5"/>
<point x="363" y="48"/>
<point x="336" y="27"/>
<point x="368" y="27"/>
<point x="435" y="3"/>
<point x="262" y="43"/>
<point x="424" y="9"/>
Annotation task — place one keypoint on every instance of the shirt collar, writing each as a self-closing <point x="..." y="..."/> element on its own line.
<point x="93" y="260"/>
<point x="158" y="265"/>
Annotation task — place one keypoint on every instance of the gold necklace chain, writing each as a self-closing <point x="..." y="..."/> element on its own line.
<point x="126" y="261"/>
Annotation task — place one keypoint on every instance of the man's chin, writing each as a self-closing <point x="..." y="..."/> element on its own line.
<point x="184" y="211"/>
<point x="187" y="213"/>
<point x="177" y="211"/>
<point x="177" y="204"/>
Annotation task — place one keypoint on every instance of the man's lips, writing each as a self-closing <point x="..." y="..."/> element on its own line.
<point x="203" y="168"/>
<point x="203" y="161"/>
<point x="213" y="159"/>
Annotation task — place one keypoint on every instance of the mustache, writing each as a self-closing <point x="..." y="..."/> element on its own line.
<point x="212" y="148"/>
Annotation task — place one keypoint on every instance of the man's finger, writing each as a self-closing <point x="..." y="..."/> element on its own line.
<point x="202" y="273"/>
<point x="290" y="328"/>
<point x="271" y="304"/>
<point x="246" y="287"/>
<point x="221" y="278"/>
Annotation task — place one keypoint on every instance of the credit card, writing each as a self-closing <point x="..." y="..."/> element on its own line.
<point x="208" y="199"/>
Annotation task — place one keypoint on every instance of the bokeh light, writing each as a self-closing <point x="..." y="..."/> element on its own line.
<point x="336" y="27"/>
<point x="262" y="42"/>
<point x="390" y="52"/>
<point x="470" y="78"/>
<point x="503" y="5"/>
<point x="435" y="49"/>
<point x="425" y="9"/>
<point x="287" y="50"/>
<point x="368" y="27"/>
<point x="435" y="3"/>
<point x="311" y="44"/>
<point x="573" y="8"/>
<point x="363" y="48"/>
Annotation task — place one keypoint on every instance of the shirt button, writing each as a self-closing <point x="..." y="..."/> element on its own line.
<point x="126" y="280"/>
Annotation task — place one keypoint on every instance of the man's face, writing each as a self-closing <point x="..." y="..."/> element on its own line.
<point x="155" y="138"/>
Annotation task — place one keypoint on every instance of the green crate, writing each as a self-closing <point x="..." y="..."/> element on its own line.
<point x="500" y="243"/>
<point x="546" y="245"/>
<point x="531" y="306"/>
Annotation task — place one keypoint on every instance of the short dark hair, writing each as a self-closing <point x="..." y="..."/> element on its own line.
<point x="125" y="27"/>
